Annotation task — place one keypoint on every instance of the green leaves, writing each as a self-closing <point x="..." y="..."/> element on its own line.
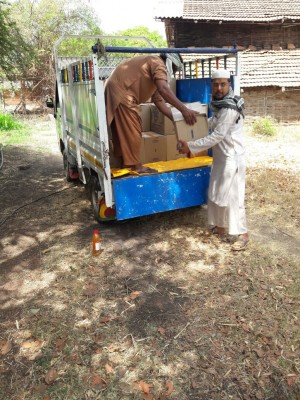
<point x="265" y="126"/>
<point x="13" y="48"/>
<point x="7" y="122"/>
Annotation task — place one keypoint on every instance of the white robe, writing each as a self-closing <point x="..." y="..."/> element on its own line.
<point x="227" y="181"/>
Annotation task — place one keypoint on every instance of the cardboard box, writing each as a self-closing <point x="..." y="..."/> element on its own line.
<point x="187" y="132"/>
<point x="145" y="113"/>
<point x="153" y="147"/>
<point x="171" y="148"/>
<point x="160" y="123"/>
<point x="197" y="106"/>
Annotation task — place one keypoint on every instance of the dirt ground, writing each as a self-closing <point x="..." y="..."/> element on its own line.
<point x="165" y="312"/>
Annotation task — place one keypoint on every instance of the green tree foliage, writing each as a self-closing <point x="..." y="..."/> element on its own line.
<point x="37" y="25"/>
<point x="41" y="23"/>
<point x="14" y="51"/>
<point x="139" y="36"/>
<point x="141" y="31"/>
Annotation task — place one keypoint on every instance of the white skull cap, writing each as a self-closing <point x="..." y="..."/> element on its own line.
<point x="220" y="73"/>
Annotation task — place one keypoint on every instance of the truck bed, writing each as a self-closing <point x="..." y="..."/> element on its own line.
<point x="178" y="184"/>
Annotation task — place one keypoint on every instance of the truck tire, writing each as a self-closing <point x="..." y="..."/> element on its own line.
<point x="101" y="212"/>
<point x="66" y="167"/>
<point x="71" y="172"/>
<point x="93" y="190"/>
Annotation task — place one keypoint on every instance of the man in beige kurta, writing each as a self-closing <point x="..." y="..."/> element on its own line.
<point x="133" y="82"/>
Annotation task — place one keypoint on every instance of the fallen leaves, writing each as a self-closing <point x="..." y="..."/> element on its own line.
<point x="105" y="319"/>
<point x="90" y="290"/>
<point x="292" y="379"/>
<point x="32" y="349"/>
<point x="161" y="330"/>
<point x="51" y="376"/>
<point x="5" y="347"/>
<point x="247" y="326"/>
<point x="133" y="295"/>
<point x="147" y="390"/>
<point x="169" y="389"/>
<point x="32" y="344"/>
<point x="60" y="344"/>
<point x="145" y="387"/>
<point x="96" y="381"/>
<point x="109" y="369"/>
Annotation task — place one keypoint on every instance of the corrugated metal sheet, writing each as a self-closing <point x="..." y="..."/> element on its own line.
<point x="229" y="10"/>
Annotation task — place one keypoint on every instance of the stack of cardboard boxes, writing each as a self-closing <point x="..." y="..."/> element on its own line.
<point x="160" y="134"/>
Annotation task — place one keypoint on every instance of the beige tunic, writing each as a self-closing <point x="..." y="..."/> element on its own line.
<point x="130" y="84"/>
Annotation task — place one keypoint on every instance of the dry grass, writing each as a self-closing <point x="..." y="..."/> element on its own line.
<point x="166" y="312"/>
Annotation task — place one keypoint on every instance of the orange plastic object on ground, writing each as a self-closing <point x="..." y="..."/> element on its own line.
<point x="96" y="243"/>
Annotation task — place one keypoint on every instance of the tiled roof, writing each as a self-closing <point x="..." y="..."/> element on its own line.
<point x="262" y="68"/>
<point x="270" y="68"/>
<point x="229" y="10"/>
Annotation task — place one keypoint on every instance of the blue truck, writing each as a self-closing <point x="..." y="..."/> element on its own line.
<point x="83" y="134"/>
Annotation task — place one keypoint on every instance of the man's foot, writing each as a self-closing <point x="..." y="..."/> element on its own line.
<point x="146" y="170"/>
<point x="241" y="243"/>
<point x="216" y="230"/>
<point x="141" y="169"/>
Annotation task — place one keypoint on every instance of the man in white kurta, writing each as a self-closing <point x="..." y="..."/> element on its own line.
<point x="226" y="210"/>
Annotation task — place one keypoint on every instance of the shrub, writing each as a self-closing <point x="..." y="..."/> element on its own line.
<point x="8" y="123"/>
<point x="265" y="126"/>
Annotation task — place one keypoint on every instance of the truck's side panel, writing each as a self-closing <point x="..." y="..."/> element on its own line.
<point x="87" y="115"/>
<point x="150" y="194"/>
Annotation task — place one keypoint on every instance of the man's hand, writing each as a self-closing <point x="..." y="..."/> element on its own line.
<point x="169" y="97"/>
<point x="190" y="116"/>
<point x="183" y="147"/>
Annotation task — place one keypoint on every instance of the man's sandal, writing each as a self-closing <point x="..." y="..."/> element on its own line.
<point x="223" y="236"/>
<point x="240" y="244"/>
<point x="146" y="170"/>
<point x="215" y="231"/>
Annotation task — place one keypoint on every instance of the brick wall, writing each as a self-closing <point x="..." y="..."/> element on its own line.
<point x="262" y="36"/>
<point x="283" y="106"/>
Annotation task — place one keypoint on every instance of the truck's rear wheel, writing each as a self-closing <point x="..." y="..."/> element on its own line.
<point x="95" y="195"/>
<point x="100" y="211"/>
<point x="66" y="167"/>
<point x="71" y="171"/>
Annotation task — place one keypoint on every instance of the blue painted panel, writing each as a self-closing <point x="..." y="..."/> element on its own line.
<point x="136" y="196"/>
<point x="190" y="90"/>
